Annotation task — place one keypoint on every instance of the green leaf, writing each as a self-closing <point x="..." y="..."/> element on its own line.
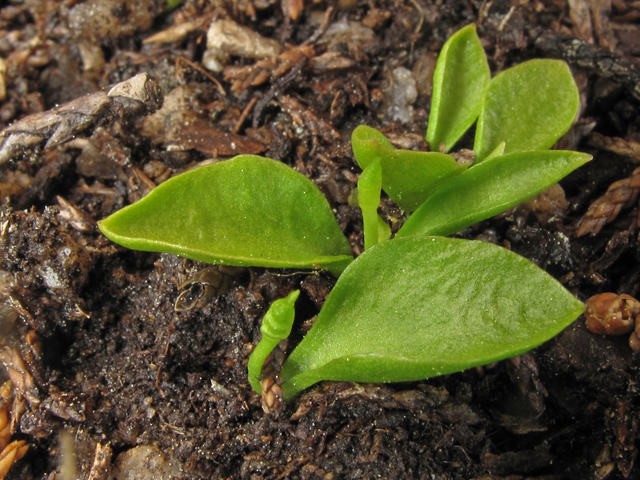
<point x="368" y="145"/>
<point x="497" y="152"/>
<point x="489" y="188"/>
<point x="249" y="210"/>
<point x="417" y="307"/>
<point x="459" y="80"/>
<point x="384" y="230"/>
<point x="528" y="107"/>
<point x="369" y="186"/>
<point x="408" y="177"/>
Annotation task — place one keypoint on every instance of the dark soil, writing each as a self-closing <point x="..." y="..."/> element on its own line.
<point x="107" y="358"/>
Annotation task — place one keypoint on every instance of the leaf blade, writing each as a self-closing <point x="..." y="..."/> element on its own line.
<point x="528" y="107"/>
<point x="489" y="188"/>
<point x="417" y="307"/>
<point x="407" y="176"/>
<point x="459" y="80"/>
<point x="249" y="210"/>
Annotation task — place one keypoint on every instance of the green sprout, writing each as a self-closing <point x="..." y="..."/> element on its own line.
<point x="276" y="326"/>
<point x="418" y="305"/>
<point x="521" y="112"/>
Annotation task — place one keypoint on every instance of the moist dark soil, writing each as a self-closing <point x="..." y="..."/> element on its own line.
<point x="92" y="341"/>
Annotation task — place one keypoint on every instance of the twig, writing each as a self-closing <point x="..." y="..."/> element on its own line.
<point x="244" y="115"/>
<point x="202" y="71"/>
<point x="321" y="29"/>
<point x="273" y="91"/>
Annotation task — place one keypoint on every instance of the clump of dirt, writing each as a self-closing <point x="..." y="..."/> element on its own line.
<point x="92" y="341"/>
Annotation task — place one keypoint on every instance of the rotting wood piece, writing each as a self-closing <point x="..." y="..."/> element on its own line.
<point x="140" y="95"/>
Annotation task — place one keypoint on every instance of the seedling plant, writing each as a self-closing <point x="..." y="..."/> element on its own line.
<point x="420" y="304"/>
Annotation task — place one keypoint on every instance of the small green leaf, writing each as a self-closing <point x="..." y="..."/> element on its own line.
<point x="459" y="80"/>
<point x="368" y="145"/>
<point x="384" y="230"/>
<point x="528" y="107"/>
<point x="489" y="188"/>
<point x="408" y="177"/>
<point x="498" y="151"/>
<point x="417" y="307"/>
<point x="249" y="210"/>
<point x="276" y="326"/>
<point x="369" y="187"/>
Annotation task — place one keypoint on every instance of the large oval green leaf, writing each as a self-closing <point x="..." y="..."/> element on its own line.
<point x="459" y="80"/>
<point x="408" y="177"/>
<point x="249" y="210"/>
<point x="417" y="307"/>
<point x="528" y="107"/>
<point x="489" y="188"/>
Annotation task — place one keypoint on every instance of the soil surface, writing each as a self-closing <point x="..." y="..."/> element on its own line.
<point x="91" y="339"/>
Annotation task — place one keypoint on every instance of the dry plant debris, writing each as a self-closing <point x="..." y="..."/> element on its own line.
<point x="619" y="195"/>
<point x="10" y="452"/>
<point x="138" y="95"/>
<point x="627" y="148"/>
<point x="272" y="395"/>
<point x="115" y="312"/>
<point x="263" y="70"/>
<point x="205" y="286"/>
<point x="226" y="38"/>
<point x="611" y="313"/>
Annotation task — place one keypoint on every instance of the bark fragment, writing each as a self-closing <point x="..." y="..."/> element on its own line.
<point x="605" y="63"/>
<point x="140" y="95"/>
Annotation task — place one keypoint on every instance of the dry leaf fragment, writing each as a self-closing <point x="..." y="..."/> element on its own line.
<point x="331" y="61"/>
<point x="226" y="38"/>
<point x="624" y="423"/>
<point x="292" y="8"/>
<point x="304" y="117"/>
<point x="101" y="462"/>
<point x="581" y="18"/>
<point x="78" y="219"/>
<point x="375" y="16"/>
<point x="11" y="454"/>
<point x="19" y="375"/>
<point x="3" y="79"/>
<point x="264" y="70"/>
<point x="205" y="139"/>
<point x="176" y="33"/>
<point x="5" y="427"/>
<point x="548" y="205"/>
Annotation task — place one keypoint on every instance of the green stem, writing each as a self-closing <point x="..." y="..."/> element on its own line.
<point x="276" y="326"/>
<point x="369" y="186"/>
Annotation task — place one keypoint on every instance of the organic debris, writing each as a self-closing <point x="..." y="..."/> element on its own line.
<point x="131" y="378"/>
<point x="10" y="452"/>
